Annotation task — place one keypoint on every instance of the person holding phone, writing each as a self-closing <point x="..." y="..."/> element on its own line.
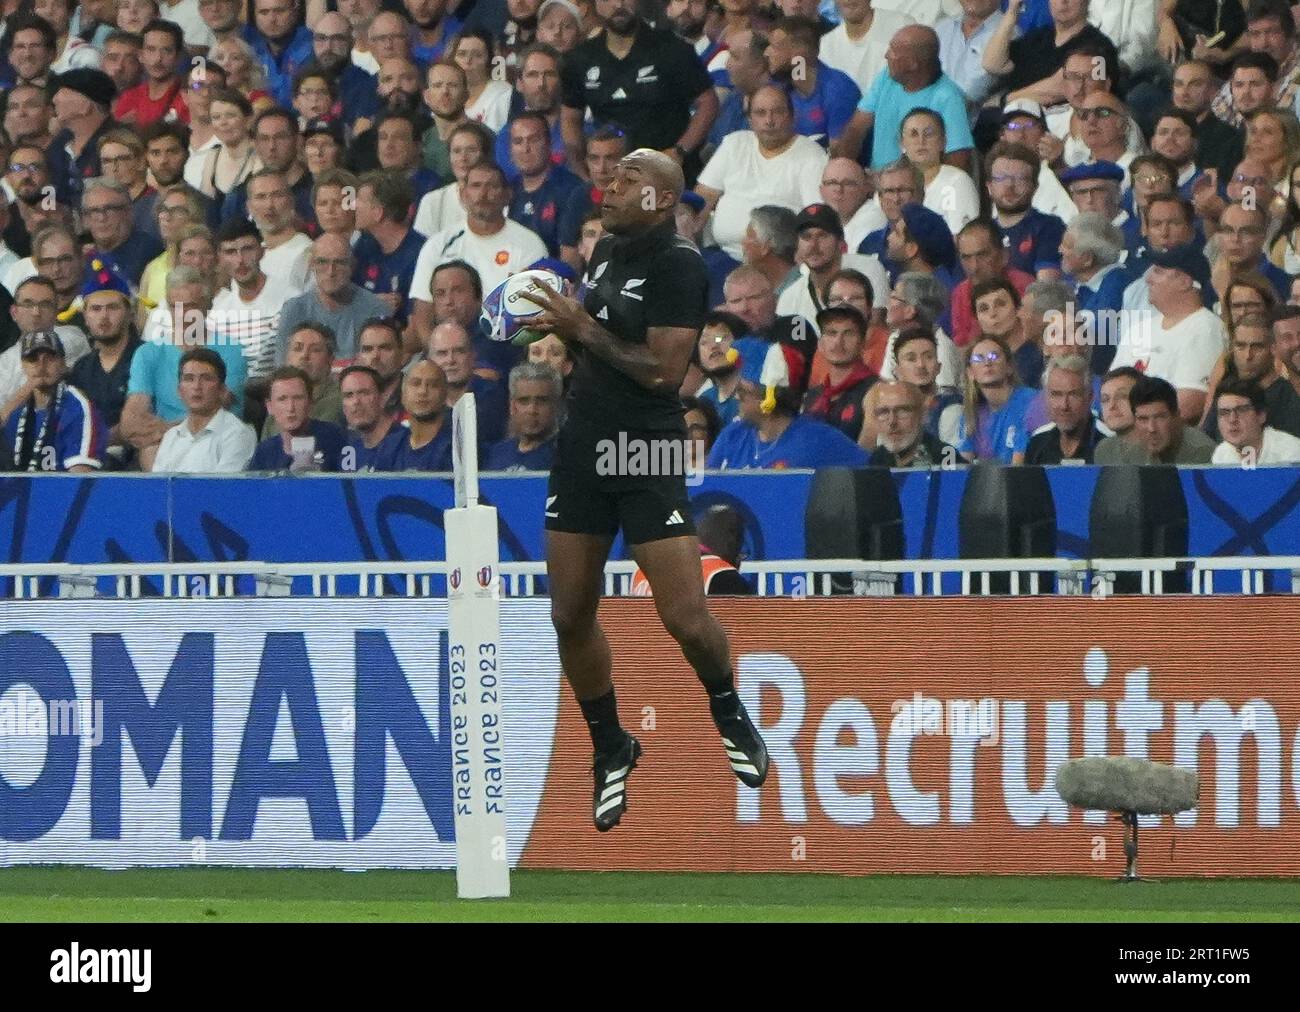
<point x="303" y="444"/>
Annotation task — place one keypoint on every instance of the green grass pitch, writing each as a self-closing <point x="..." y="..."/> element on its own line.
<point x="292" y="895"/>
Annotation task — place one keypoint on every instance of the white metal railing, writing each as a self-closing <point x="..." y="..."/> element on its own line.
<point x="790" y="577"/>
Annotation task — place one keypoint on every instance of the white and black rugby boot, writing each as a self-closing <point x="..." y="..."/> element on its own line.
<point x="611" y="771"/>
<point x="746" y="750"/>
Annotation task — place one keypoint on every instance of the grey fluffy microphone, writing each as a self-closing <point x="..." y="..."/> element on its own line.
<point x="1124" y="784"/>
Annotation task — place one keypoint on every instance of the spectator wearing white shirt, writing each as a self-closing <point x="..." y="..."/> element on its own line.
<point x="34" y="308"/>
<point x="1182" y="344"/>
<point x="949" y="191"/>
<point x="489" y="242"/>
<point x="248" y="311"/>
<point x="73" y="51"/>
<point x="209" y="440"/>
<point x="857" y="45"/>
<point x="769" y="244"/>
<point x="1248" y="441"/>
<point x="444" y="208"/>
<point x="845" y="188"/>
<point x="287" y="250"/>
<point x="489" y="98"/>
<point x="962" y="40"/>
<point x="769" y="164"/>
<point x="821" y="253"/>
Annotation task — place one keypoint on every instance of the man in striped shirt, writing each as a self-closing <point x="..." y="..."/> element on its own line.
<point x="248" y="312"/>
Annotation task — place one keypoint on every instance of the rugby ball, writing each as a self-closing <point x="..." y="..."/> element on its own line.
<point x="506" y="311"/>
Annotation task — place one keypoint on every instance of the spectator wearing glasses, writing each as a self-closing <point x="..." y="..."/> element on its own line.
<point x="332" y="42"/>
<point x="57" y="256"/>
<point x="121" y="153"/>
<point x="1251" y="357"/>
<point x="1248" y="440"/>
<point x="900" y="184"/>
<point x="992" y="423"/>
<point x="209" y="439"/>
<point x="32" y="50"/>
<point x="949" y="191"/>
<point x="897" y="410"/>
<point x="845" y="188"/>
<point x="1030" y="66"/>
<point x="1241" y="237"/>
<point x="1032" y="239"/>
<point x="996" y="304"/>
<point x="535" y="392"/>
<point x="34" y="308"/>
<point x="334" y="297"/>
<point x="1024" y="123"/>
<point x="26" y="176"/>
<point x="177" y="209"/>
<point x="161" y="95"/>
<point x="106" y="209"/>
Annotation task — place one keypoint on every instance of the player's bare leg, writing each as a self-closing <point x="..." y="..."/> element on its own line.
<point x="672" y="565"/>
<point x="575" y="569"/>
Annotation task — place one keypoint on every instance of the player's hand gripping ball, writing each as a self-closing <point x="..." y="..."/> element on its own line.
<point x="508" y="315"/>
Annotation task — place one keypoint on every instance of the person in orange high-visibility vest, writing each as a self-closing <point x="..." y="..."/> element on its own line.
<point x="721" y="533"/>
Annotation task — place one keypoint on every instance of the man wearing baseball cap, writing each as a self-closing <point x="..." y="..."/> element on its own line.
<point x="83" y="99"/>
<point x="103" y="375"/>
<point x="770" y="432"/>
<point x="1024" y="122"/>
<point x="56" y="428"/>
<point x="1182" y="340"/>
<point x="820" y="254"/>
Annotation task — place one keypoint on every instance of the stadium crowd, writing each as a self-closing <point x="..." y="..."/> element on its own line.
<point x="937" y="231"/>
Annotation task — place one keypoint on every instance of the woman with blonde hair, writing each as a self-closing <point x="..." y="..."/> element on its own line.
<point x="1248" y="296"/>
<point x="1273" y="138"/>
<point x="178" y="208"/>
<point x="244" y="71"/>
<point x="217" y="170"/>
<point x="994" y="405"/>
<point x="467" y="145"/>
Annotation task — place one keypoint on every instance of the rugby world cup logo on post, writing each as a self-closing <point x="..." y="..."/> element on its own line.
<point x="485" y="577"/>
<point x="454" y="580"/>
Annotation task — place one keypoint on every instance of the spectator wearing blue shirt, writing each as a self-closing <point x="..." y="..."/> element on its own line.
<point x="747" y="67"/>
<point x="1032" y="239"/>
<point x="535" y="392"/>
<point x="281" y="43"/>
<point x="993" y="410"/>
<point x="332" y="41"/>
<point x="302" y="443"/>
<point x="433" y="28"/>
<point x="425" y="442"/>
<point x="1090" y="256"/>
<point x="388" y="247"/>
<point x="824" y="98"/>
<point x="125" y="250"/>
<point x="397" y="146"/>
<point x="770" y="432"/>
<point x="373" y="432"/>
<point x="962" y="41"/>
<point x="547" y="199"/>
<point x="278" y="145"/>
<point x="452" y="350"/>
<point x="723" y="331"/>
<point x="153" y="401"/>
<point x="1242" y="232"/>
<point x="538" y="90"/>
<point x="912" y="78"/>
<point x="56" y="428"/>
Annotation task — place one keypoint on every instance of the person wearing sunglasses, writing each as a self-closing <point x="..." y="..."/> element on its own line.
<point x="993" y="407"/>
<point x="106" y="211"/>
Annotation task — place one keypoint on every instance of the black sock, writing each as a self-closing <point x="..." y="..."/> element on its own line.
<point x="601" y="715"/>
<point x="723" y="700"/>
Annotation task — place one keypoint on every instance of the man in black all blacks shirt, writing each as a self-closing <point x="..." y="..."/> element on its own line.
<point x="633" y="337"/>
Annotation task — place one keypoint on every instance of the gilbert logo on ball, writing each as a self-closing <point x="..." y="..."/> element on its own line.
<point x="507" y="310"/>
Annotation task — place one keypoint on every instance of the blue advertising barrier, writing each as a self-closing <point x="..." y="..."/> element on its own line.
<point x="114" y="518"/>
